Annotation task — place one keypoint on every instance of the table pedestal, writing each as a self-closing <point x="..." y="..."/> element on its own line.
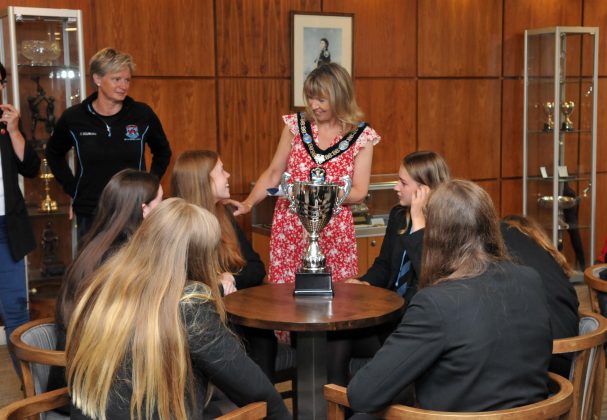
<point x="311" y="374"/>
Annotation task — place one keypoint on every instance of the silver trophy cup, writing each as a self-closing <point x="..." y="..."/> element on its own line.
<point x="314" y="202"/>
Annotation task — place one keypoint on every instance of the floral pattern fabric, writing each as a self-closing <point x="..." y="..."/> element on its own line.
<point x="337" y="240"/>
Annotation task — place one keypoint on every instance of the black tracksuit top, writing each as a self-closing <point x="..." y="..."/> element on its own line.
<point x="104" y="145"/>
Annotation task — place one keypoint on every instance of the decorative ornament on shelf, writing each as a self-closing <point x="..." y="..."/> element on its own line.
<point x="567" y="108"/>
<point x="48" y="204"/>
<point x="40" y="52"/>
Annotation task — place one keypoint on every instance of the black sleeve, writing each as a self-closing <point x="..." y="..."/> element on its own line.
<point x="159" y="146"/>
<point x="411" y="349"/>
<point x="253" y="272"/>
<point x="30" y="165"/>
<point x="379" y="273"/>
<point x="56" y="149"/>
<point x="218" y="356"/>
<point x="414" y="246"/>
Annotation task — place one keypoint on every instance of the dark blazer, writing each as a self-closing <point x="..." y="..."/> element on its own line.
<point x="562" y="300"/>
<point x="20" y="234"/>
<point x="253" y="273"/>
<point x="386" y="266"/>
<point x="476" y="344"/>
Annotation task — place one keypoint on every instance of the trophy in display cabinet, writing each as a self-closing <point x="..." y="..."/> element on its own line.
<point x="567" y="108"/>
<point x="549" y="111"/>
<point x="315" y="202"/>
<point x="48" y="204"/>
<point x="51" y="264"/>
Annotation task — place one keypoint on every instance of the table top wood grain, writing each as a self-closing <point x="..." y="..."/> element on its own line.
<point x="273" y="306"/>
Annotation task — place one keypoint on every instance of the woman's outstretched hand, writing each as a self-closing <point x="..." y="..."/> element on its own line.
<point x="238" y="207"/>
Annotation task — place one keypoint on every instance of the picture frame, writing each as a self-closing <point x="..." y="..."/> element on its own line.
<point x="318" y="38"/>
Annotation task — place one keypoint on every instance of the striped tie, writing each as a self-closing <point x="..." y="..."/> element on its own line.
<point x="405" y="265"/>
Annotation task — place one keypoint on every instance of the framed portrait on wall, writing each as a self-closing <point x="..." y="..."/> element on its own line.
<point x="316" y="39"/>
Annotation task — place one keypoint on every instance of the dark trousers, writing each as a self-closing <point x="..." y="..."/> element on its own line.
<point x="261" y="346"/>
<point x="84" y="222"/>
<point x="13" y="291"/>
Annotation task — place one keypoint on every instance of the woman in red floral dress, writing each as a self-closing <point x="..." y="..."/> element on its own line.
<point x="330" y="135"/>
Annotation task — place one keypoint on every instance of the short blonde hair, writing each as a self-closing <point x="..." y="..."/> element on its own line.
<point x="333" y="82"/>
<point x="110" y="60"/>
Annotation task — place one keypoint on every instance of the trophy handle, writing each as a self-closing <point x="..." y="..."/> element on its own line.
<point x="346" y="191"/>
<point x="287" y="188"/>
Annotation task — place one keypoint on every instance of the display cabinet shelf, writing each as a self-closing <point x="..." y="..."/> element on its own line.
<point x="562" y="132"/>
<point x="559" y="179"/>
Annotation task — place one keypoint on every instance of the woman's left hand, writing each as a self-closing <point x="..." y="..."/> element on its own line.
<point x="10" y="116"/>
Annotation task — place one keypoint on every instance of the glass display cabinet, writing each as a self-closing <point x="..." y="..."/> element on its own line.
<point x="559" y="136"/>
<point x="42" y="50"/>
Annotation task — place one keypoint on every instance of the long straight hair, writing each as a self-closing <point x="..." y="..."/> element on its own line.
<point x="536" y="232"/>
<point x="333" y="82"/>
<point x="119" y="214"/>
<point x="462" y="236"/>
<point x="130" y="315"/>
<point x="426" y="168"/>
<point x="191" y="180"/>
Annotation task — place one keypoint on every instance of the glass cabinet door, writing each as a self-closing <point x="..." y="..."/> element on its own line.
<point x="42" y="51"/>
<point x="559" y="154"/>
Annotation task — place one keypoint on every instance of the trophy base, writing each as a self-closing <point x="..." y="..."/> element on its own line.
<point x="313" y="284"/>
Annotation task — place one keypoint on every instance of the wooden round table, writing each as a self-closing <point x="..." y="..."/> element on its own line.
<point x="273" y="306"/>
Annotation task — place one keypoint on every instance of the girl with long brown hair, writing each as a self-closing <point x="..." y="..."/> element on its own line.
<point x="148" y="334"/>
<point x="398" y="265"/>
<point x="528" y="243"/>
<point x="200" y="178"/>
<point x="125" y="201"/>
<point x="478" y="324"/>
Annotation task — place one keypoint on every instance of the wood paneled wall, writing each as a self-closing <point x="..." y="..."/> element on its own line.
<point x="430" y="74"/>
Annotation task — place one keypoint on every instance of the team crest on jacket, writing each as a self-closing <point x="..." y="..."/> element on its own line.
<point x="132" y="132"/>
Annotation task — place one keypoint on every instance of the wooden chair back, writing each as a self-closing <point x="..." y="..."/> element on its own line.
<point x="588" y="368"/>
<point x="595" y="285"/>
<point x="48" y="401"/>
<point x="33" y="406"/>
<point x="252" y="411"/>
<point x="556" y="406"/>
<point x="36" y="359"/>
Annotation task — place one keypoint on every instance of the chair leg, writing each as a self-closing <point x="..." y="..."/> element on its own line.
<point x="28" y="380"/>
<point x="335" y="411"/>
<point x="599" y="385"/>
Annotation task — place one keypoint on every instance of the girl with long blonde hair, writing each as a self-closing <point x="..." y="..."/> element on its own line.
<point x="148" y="334"/>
